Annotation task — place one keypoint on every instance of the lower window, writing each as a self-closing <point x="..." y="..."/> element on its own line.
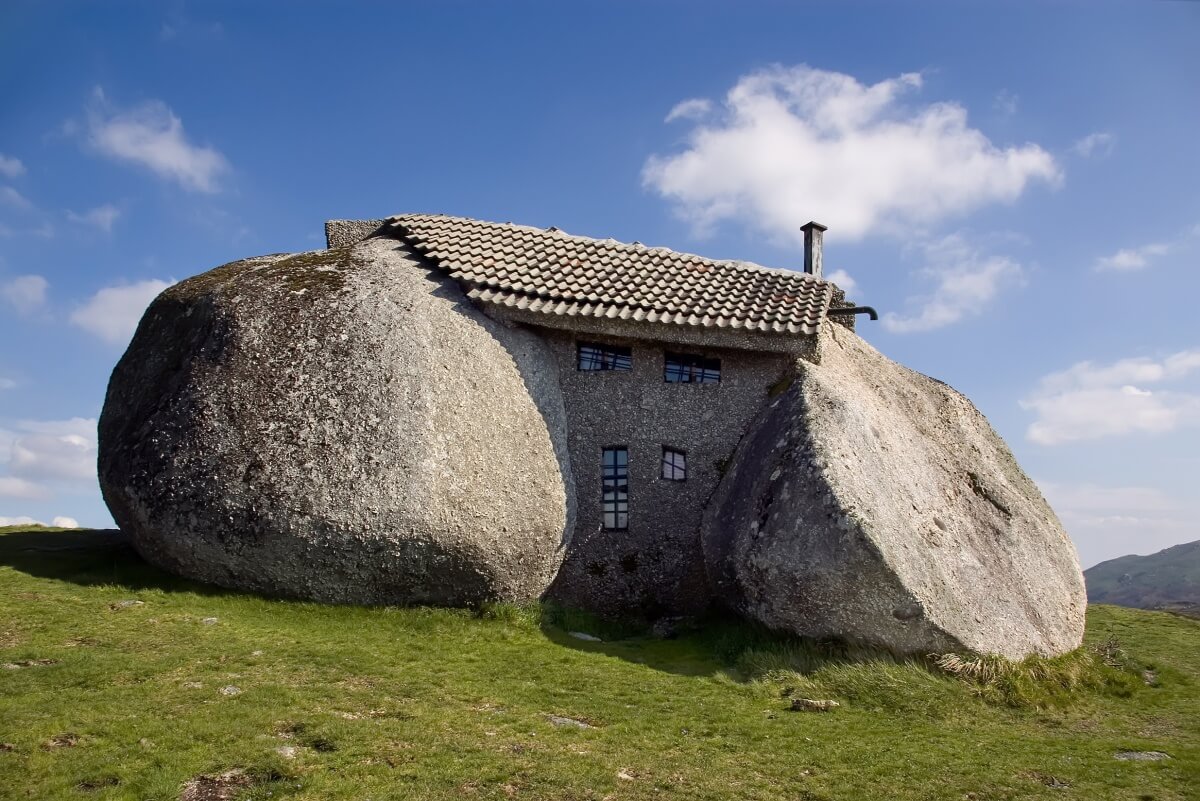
<point x="615" y="472"/>
<point x="674" y="464"/>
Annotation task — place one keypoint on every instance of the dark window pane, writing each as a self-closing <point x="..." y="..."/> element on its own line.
<point x="683" y="368"/>
<point x="594" y="357"/>
<point x="615" y="488"/>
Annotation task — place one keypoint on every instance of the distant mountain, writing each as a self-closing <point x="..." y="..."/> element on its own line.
<point x="1169" y="579"/>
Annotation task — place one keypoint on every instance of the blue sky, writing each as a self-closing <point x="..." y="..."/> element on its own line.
<point x="1014" y="186"/>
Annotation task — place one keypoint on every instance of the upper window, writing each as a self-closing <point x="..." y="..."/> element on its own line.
<point x="615" y="475"/>
<point x="603" y="357"/>
<point x="674" y="464"/>
<point x="686" y="368"/>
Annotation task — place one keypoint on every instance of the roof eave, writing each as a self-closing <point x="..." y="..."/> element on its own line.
<point x="674" y="333"/>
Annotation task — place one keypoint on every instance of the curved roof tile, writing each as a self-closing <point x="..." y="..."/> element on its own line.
<point x="559" y="274"/>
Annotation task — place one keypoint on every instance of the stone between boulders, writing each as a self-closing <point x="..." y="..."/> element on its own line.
<point x="873" y="503"/>
<point x="342" y="426"/>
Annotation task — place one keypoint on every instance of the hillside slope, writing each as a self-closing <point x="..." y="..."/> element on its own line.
<point x="1169" y="579"/>
<point x="119" y="681"/>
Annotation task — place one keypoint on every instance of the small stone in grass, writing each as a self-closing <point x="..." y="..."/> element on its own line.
<point x="810" y="705"/>
<point x="230" y="689"/>
<point x="558" y="720"/>
<point x="125" y="604"/>
<point x="209" y="621"/>
<point x="6" y="748"/>
<point x="287" y="751"/>
<point x="193" y="685"/>
<point x="582" y="635"/>
<point x="1141" y="756"/>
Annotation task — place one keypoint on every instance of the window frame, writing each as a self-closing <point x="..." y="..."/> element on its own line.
<point x="678" y="467"/>
<point x="607" y="358"/>
<point x="614" y="480"/>
<point x="690" y="368"/>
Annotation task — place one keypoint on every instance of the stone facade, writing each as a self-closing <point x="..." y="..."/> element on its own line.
<point x="655" y="566"/>
<point x="343" y="233"/>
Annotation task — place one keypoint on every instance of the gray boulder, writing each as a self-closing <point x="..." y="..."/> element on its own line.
<point x="872" y="503"/>
<point x="341" y="425"/>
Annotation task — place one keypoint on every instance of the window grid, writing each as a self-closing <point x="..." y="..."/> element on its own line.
<point x="674" y="464"/>
<point x="616" y="488"/>
<point x="684" y="368"/>
<point x="593" y="357"/>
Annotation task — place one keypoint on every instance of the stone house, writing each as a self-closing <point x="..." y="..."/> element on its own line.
<point x="664" y="359"/>
<point x="445" y="411"/>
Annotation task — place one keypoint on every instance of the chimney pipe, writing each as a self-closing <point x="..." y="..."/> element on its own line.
<point x="813" y="235"/>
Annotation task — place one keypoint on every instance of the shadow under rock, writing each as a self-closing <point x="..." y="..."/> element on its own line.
<point x="90" y="557"/>
<point x="685" y="656"/>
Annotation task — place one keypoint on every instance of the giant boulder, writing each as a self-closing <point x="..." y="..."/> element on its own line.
<point x="343" y="426"/>
<point x="875" y="504"/>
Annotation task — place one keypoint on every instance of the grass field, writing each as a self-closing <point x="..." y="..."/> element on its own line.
<point x="121" y="682"/>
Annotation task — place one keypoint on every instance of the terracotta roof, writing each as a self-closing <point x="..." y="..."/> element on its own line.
<point x="548" y="271"/>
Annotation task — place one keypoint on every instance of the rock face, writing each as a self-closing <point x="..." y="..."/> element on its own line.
<point x="873" y="503"/>
<point x="343" y="426"/>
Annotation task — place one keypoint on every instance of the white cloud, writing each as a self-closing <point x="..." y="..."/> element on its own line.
<point x="113" y="313"/>
<point x="7" y="383"/>
<point x="23" y="520"/>
<point x="965" y="280"/>
<point x="1096" y="144"/>
<point x="692" y="109"/>
<point x="102" y="217"/>
<point x="25" y="293"/>
<point x="799" y="143"/>
<point x="13" y="198"/>
<point x="152" y="136"/>
<point x="844" y="280"/>
<point x="1090" y="401"/>
<point x="1106" y="522"/>
<point x="41" y="455"/>
<point x="12" y="487"/>
<point x="19" y="520"/>
<point x="1130" y="259"/>
<point x="1006" y="103"/>
<point x="54" y="449"/>
<point x="11" y="166"/>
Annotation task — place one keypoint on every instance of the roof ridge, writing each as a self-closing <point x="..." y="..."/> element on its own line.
<point x="739" y="264"/>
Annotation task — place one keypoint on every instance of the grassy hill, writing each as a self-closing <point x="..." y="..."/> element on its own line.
<point x="1169" y="579"/>
<point x="121" y="682"/>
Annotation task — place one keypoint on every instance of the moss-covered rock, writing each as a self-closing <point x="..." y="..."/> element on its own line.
<point x="340" y="425"/>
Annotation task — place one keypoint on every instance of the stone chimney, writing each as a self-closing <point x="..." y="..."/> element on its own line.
<point x="813" y="234"/>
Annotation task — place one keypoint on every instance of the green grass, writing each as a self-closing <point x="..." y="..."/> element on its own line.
<point x="419" y="703"/>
